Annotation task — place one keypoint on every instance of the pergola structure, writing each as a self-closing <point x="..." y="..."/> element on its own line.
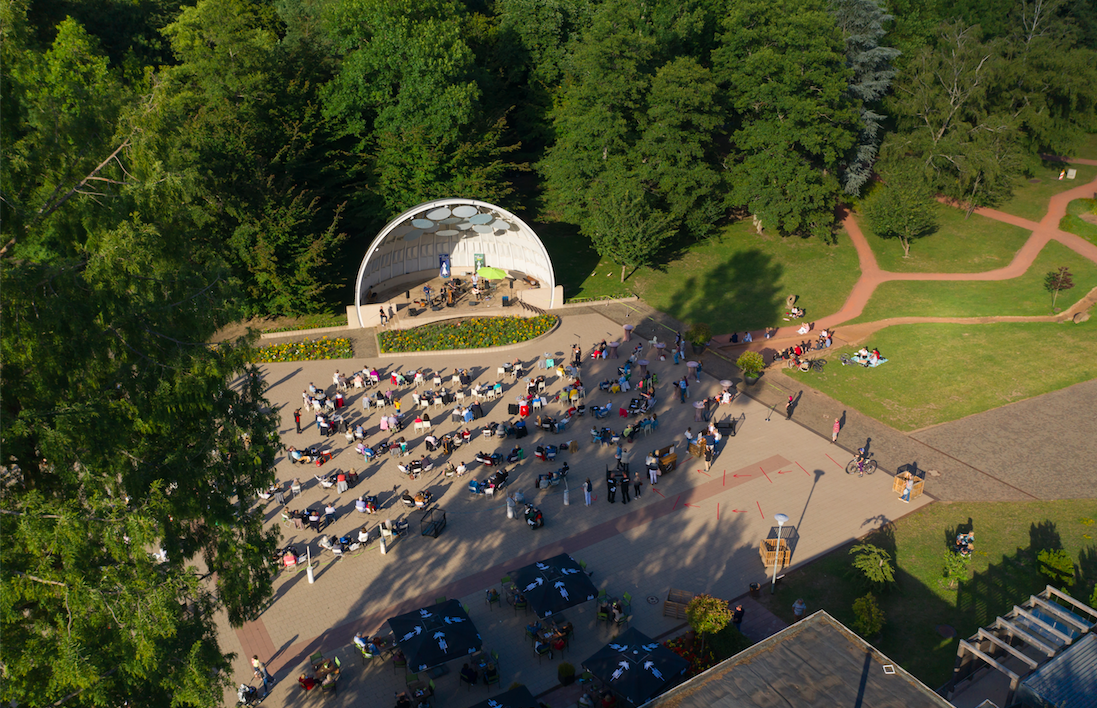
<point x="465" y="234"/>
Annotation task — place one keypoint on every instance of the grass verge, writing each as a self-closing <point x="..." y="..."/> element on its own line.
<point x="959" y="245"/>
<point x="984" y="298"/>
<point x="734" y="281"/>
<point x="941" y="372"/>
<point x="1029" y="200"/>
<point x="289" y="324"/>
<point x="1075" y="224"/>
<point x="1002" y="572"/>
<point x="471" y="333"/>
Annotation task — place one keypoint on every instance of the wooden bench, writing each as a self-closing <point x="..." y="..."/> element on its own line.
<point x="675" y="604"/>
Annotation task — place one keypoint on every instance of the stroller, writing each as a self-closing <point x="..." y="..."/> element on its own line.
<point x="247" y="695"/>
<point x="534" y="518"/>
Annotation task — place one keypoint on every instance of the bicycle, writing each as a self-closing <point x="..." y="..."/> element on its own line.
<point x="861" y="464"/>
<point x="812" y="365"/>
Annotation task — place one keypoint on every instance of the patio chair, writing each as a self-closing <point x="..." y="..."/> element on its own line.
<point x="316" y="659"/>
<point x="410" y="679"/>
<point x="545" y="650"/>
<point x="625" y="619"/>
<point x="398" y="663"/>
<point x="439" y="600"/>
<point x="627" y="599"/>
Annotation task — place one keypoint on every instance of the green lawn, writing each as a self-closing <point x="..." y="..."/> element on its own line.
<point x="1002" y="572"/>
<point x="958" y="246"/>
<point x="1029" y="200"/>
<point x="735" y="281"/>
<point x="941" y="372"/>
<point x="959" y="298"/>
<point x="1073" y="222"/>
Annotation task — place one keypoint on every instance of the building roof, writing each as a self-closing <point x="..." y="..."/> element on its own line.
<point x="815" y="663"/>
<point x="1068" y="680"/>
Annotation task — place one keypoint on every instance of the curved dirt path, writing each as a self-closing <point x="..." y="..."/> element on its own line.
<point x="871" y="275"/>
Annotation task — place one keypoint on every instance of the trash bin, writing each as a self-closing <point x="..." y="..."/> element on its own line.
<point x="754" y="588"/>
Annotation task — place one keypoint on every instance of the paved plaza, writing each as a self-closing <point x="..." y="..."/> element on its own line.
<point x="697" y="531"/>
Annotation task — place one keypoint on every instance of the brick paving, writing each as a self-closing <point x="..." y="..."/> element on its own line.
<point x="697" y="530"/>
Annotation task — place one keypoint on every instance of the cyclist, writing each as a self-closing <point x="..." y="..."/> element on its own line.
<point x="859" y="458"/>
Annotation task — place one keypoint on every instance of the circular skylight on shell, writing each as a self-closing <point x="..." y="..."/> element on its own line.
<point x="439" y="214"/>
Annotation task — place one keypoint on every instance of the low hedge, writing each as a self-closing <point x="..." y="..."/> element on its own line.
<point x="306" y="350"/>
<point x="472" y="333"/>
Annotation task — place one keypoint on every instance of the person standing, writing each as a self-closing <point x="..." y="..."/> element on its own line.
<point x="788" y="409"/>
<point x="653" y="467"/>
<point x="384" y="317"/>
<point x="835" y="430"/>
<point x="737" y="617"/>
<point x="907" y="489"/>
<point x="260" y="670"/>
<point x="587" y="489"/>
<point x="683" y="386"/>
<point x="708" y="457"/>
<point x="624" y="488"/>
<point x="611" y="489"/>
<point x="798" y="609"/>
<point x="297" y="419"/>
<point x="636" y="486"/>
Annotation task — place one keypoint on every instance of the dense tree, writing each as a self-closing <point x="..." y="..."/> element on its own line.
<point x="968" y="147"/>
<point x="782" y="66"/>
<point x="59" y="138"/>
<point x="122" y="438"/>
<point x="862" y="24"/>
<point x="634" y="128"/>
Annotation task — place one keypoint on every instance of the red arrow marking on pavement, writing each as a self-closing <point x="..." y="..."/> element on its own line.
<point x="767" y="476"/>
<point x="760" y="508"/>
<point x="657" y="492"/>
<point x="802" y="467"/>
<point x="783" y="471"/>
<point x="717" y="511"/>
<point x="704" y="473"/>
<point x="725" y="478"/>
<point x="693" y="505"/>
<point x="676" y="503"/>
<point x="740" y="475"/>
<point x="738" y="511"/>
<point x="834" y="461"/>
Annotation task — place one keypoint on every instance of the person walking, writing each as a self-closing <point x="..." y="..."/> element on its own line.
<point x="788" y="409"/>
<point x="636" y="486"/>
<point x="297" y="419"/>
<point x="260" y="670"/>
<point x="624" y="488"/>
<point x="834" y="431"/>
<point x="708" y="457"/>
<point x="737" y="617"/>
<point x="653" y="467"/>
<point x="587" y="489"/>
<point x="384" y="317"/>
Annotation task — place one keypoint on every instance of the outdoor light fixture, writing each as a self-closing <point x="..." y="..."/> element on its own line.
<point x="781" y="519"/>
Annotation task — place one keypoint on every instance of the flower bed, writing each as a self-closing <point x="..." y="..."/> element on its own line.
<point x="473" y="333"/>
<point x="690" y="650"/>
<point x="306" y="350"/>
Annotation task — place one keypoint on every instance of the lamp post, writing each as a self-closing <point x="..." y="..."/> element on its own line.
<point x="781" y="519"/>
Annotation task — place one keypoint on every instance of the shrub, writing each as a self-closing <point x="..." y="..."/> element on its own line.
<point x="699" y="333"/>
<point x="565" y="673"/>
<point x="868" y="618"/>
<point x="707" y="615"/>
<point x="955" y="569"/>
<point x="751" y="363"/>
<point x="1057" y="566"/>
<point x="874" y="563"/>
